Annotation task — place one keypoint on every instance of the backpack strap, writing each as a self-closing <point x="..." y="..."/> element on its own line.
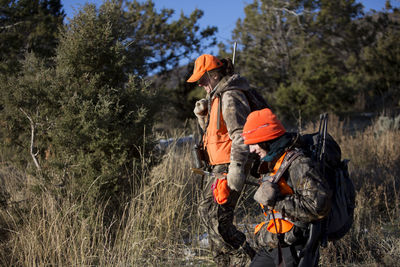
<point x="289" y="158"/>
<point x="249" y="94"/>
<point x="219" y="95"/>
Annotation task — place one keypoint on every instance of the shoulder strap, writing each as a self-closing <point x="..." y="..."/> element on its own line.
<point x="289" y="158"/>
<point x="250" y="95"/>
<point x="219" y="110"/>
<point x="219" y="95"/>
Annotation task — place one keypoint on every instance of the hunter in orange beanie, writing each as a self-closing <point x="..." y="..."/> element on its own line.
<point x="262" y="125"/>
<point x="292" y="188"/>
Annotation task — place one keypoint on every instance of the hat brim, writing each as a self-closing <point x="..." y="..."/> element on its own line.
<point x="195" y="77"/>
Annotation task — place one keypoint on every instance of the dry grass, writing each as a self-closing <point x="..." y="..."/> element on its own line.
<point x="160" y="226"/>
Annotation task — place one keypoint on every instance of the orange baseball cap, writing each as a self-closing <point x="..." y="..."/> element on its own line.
<point x="262" y="125"/>
<point x="203" y="64"/>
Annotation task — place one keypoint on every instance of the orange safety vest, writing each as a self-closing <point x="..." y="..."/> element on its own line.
<point x="276" y="222"/>
<point x="216" y="140"/>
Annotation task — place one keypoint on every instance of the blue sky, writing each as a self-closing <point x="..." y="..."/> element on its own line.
<point x="215" y="11"/>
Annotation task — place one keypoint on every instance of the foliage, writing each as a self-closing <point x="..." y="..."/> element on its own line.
<point x="314" y="56"/>
<point x="24" y="98"/>
<point x="91" y="110"/>
<point x="268" y="41"/>
<point x="28" y="26"/>
<point x="332" y="89"/>
<point x="381" y="59"/>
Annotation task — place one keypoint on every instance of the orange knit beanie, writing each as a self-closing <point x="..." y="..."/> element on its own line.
<point x="262" y="125"/>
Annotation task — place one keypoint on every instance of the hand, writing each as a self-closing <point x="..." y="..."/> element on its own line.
<point x="267" y="194"/>
<point x="236" y="176"/>
<point x="201" y="108"/>
<point x="220" y="191"/>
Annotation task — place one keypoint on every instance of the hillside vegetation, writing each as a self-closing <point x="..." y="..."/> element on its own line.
<point x="160" y="226"/>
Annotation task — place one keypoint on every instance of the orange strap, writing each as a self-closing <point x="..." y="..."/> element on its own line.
<point x="278" y="225"/>
<point x="258" y="227"/>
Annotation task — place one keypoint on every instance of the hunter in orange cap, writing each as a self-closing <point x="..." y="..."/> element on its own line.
<point x="221" y="115"/>
<point x="203" y="64"/>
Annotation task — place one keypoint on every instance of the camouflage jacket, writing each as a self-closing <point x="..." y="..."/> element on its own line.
<point x="310" y="201"/>
<point x="235" y="109"/>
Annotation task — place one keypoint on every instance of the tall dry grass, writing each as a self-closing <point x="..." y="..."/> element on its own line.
<point x="160" y="225"/>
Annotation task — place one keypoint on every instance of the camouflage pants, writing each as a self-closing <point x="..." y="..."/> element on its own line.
<point x="228" y="244"/>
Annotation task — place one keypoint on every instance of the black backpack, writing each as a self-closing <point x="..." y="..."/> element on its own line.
<point x="256" y="100"/>
<point x="321" y="147"/>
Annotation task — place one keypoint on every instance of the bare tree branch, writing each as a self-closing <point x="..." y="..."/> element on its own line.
<point x="10" y="26"/>
<point x="33" y="155"/>
<point x="294" y="13"/>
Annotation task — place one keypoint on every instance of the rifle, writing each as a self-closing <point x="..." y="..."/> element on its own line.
<point x="317" y="235"/>
<point x="207" y="173"/>
<point x="309" y="254"/>
<point x="218" y="175"/>
<point x="199" y="155"/>
<point x="234" y="53"/>
<point x="320" y="156"/>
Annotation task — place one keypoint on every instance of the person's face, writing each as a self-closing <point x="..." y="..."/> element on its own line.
<point x="208" y="82"/>
<point x="258" y="150"/>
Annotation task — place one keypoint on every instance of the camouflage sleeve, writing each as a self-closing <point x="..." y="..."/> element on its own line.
<point x="311" y="198"/>
<point x="235" y="109"/>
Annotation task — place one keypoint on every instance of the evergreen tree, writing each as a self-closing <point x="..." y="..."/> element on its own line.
<point x="27" y="111"/>
<point x="28" y="26"/>
<point x="314" y="56"/>
<point x="93" y="111"/>
<point x="270" y="37"/>
<point x="381" y="61"/>
<point x="322" y="74"/>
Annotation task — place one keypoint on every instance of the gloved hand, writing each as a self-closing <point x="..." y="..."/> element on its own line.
<point x="267" y="194"/>
<point x="201" y="110"/>
<point x="236" y="176"/>
<point x="201" y="107"/>
<point x="221" y="191"/>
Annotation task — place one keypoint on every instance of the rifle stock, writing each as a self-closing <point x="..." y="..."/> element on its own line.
<point x="218" y="175"/>
<point x="310" y="253"/>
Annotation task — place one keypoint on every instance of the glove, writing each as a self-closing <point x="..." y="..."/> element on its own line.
<point x="220" y="191"/>
<point x="236" y="176"/>
<point x="201" y="110"/>
<point x="267" y="194"/>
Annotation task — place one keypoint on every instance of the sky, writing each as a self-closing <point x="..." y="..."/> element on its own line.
<point x="220" y="13"/>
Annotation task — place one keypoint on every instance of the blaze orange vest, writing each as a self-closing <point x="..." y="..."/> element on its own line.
<point x="276" y="222"/>
<point x="217" y="141"/>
